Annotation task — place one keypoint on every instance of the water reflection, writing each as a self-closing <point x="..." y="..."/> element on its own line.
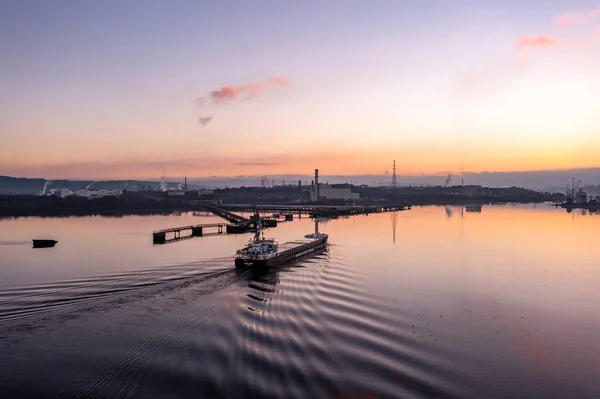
<point x="394" y="217"/>
<point x="501" y="303"/>
<point x="448" y="211"/>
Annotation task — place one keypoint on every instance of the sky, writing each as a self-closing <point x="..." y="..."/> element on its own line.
<point x="144" y="89"/>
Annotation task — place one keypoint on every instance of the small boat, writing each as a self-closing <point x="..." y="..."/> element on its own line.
<point x="473" y="208"/>
<point x="44" y="243"/>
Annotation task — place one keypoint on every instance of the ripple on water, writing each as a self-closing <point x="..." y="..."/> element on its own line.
<point x="314" y="324"/>
<point x="309" y="329"/>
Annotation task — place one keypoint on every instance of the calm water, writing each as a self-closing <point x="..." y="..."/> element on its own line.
<point x="432" y="302"/>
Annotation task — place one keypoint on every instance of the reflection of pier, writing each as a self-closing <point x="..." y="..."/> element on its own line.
<point x="202" y="213"/>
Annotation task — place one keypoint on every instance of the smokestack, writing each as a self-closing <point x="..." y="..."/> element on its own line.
<point x="316" y="185"/>
<point x="185" y="183"/>
<point x="300" y="184"/>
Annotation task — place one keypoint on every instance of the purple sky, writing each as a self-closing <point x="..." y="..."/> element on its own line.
<point x="118" y="88"/>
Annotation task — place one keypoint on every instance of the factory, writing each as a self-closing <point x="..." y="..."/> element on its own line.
<point x="325" y="191"/>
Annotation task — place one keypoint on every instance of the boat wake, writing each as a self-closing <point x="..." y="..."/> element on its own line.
<point x="28" y="307"/>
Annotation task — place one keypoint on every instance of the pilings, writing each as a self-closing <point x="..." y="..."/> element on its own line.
<point x="288" y="217"/>
<point x="236" y="228"/>
<point x="159" y="237"/>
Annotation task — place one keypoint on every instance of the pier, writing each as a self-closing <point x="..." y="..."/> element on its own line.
<point x="175" y="234"/>
<point x="317" y="210"/>
<point x="230" y="217"/>
<point x="239" y="224"/>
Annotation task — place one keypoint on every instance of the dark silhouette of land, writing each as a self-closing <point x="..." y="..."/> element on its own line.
<point x="153" y="202"/>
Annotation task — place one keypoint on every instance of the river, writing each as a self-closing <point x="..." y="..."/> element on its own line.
<point x="434" y="302"/>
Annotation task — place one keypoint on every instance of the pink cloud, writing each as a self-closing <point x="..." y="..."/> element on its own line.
<point x="225" y="93"/>
<point x="570" y="19"/>
<point x="536" y="41"/>
<point x="230" y="93"/>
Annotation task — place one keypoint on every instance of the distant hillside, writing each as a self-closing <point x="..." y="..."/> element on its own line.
<point x="14" y="185"/>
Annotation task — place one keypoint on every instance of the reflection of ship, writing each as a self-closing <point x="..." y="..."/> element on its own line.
<point x="261" y="252"/>
<point x="44" y="243"/>
<point x="473" y="208"/>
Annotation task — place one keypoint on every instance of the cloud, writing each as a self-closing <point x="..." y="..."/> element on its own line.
<point x="571" y="19"/>
<point x="205" y="120"/>
<point x="536" y="41"/>
<point x="229" y="93"/>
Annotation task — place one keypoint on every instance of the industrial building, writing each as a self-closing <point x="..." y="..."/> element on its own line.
<point x="325" y="191"/>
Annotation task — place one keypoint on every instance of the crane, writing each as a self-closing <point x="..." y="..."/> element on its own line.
<point x="576" y="186"/>
<point x="573" y="188"/>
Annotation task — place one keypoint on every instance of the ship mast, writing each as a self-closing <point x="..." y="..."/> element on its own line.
<point x="258" y="225"/>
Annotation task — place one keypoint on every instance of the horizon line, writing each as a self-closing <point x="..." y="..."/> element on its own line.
<point x="436" y="174"/>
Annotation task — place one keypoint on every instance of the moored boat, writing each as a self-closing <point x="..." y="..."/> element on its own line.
<point x="43" y="243"/>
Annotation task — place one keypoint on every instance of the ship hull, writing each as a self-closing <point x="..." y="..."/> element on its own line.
<point x="284" y="257"/>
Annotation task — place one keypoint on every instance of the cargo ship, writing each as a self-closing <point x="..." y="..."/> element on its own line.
<point x="266" y="252"/>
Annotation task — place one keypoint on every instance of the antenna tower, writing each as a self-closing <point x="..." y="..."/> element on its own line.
<point x="394" y="181"/>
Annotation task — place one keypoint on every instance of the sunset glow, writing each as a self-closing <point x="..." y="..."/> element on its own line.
<point x="142" y="90"/>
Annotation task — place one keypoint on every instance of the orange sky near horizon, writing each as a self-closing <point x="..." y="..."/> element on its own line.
<point x="348" y="99"/>
<point x="432" y="159"/>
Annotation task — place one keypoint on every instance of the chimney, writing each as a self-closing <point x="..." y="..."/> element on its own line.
<point x="316" y="185"/>
<point x="184" y="183"/>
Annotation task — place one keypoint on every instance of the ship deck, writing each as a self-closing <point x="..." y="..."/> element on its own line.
<point x="293" y="244"/>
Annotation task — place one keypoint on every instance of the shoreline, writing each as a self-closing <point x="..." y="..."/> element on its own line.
<point x="36" y="206"/>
